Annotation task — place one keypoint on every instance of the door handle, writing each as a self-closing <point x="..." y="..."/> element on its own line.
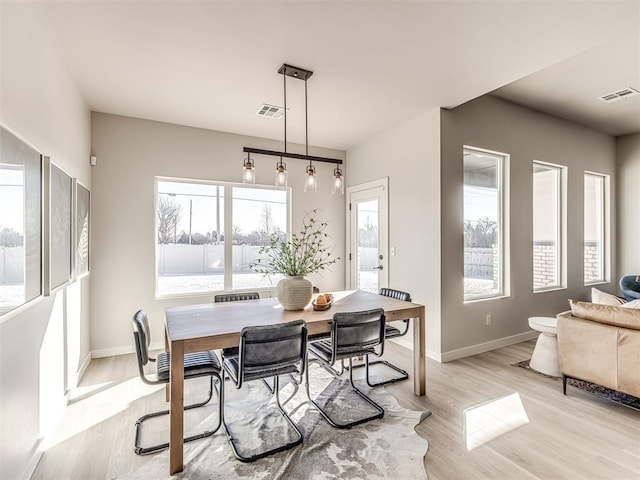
<point x="379" y="267"/>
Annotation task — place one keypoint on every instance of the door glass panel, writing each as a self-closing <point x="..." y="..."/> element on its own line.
<point x="367" y="261"/>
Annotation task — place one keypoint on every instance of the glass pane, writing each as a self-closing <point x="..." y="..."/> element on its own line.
<point x="593" y="228"/>
<point x="20" y="222"/>
<point x="190" y="238"/>
<point x="546" y="226"/>
<point x="258" y="213"/>
<point x="367" y="241"/>
<point x="482" y="218"/>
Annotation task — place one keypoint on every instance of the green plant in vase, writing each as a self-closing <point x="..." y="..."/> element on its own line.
<point x="306" y="252"/>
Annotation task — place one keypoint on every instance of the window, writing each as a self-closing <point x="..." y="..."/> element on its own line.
<point x="192" y="253"/>
<point x="548" y="226"/>
<point x="595" y="227"/>
<point x="20" y="222"/>
<point x="484" y="224"/>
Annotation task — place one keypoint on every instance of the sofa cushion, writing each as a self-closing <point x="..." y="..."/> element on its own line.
<point x="604" y="298"/>
<point x="618" y="316"/>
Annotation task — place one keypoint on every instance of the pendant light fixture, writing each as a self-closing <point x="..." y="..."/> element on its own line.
<point x="281" y="180"/>
<point x="338" y="181"/>
<point x="248" y="171"/>
<point x="281" y="174"/>
<point x="311" y="182"/>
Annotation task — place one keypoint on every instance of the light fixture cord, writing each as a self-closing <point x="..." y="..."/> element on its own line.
<point x="285" y="110"/>
<point x="306" y="121"/>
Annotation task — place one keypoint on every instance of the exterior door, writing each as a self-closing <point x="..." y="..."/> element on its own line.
<point x="367" y="238"/>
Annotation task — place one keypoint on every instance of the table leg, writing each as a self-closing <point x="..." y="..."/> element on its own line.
<point x="419" y="355"/>
<point x="176" y="408"/>
<point x="167" y="387"/>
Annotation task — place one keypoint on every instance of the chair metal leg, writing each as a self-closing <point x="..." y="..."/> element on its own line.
<point x="281" y="448"/>
<point x="331" y="421"/>
<point x="403" y="373"/>
<point x="140" y="450"/>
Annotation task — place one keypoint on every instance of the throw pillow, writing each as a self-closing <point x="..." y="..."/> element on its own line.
<point x="604" y="298"/>
<point x="618" y="316"/>
<point x="631" y="304"/>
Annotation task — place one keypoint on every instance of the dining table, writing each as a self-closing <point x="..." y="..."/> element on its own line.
<point x="212" y="326"/>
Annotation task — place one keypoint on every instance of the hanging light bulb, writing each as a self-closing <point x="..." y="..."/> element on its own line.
<point x="338" y="181"/>
<point x="281" y="174"/>
<point x="311" y="184"/>
<point x="248" y="171"/>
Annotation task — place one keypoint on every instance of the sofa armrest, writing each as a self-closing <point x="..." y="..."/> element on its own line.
<point x="588" y="350"/>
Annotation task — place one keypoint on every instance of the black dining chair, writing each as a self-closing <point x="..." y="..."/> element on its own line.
<point x="238" y="297"/>
<point x="235" y="297"/>
<point x="267" y="351"/>
<point x="353" y="334"/>
<point x="391" y="331"/>
<point x="200" y="364"/>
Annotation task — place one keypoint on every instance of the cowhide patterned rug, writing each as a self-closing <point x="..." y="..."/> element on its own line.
<point x="381" y="449"/>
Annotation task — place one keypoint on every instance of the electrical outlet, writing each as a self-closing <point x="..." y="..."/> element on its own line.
<point x="487" y="319"/>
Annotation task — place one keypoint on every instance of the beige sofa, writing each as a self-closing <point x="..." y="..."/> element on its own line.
<point x="600" y="344"/>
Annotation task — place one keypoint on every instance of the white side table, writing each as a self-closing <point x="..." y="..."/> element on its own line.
<point x="545" y="355"/>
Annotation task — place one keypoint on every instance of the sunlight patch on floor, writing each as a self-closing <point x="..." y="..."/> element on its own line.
<point x="88" y="410"/>
<point x="489" y="420"/>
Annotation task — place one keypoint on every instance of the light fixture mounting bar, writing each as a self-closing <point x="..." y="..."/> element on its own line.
<point x="298" y="156"/>
<point x="294" y="72"/>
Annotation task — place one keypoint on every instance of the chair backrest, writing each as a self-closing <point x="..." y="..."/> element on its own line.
<point x="141" y="337"/>
<point x="234" y="297"/>
<point x="269" y="347"/>
<point x="357" y="331"/>
<point x="397" y="294"/>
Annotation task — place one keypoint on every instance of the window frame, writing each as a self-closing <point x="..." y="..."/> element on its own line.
<point x="503" y="234"/>
<point x="30" y="281"/>
<point x="605" y="229"/>
<point x="561" y="226"/>
<point x="227" y="229"/>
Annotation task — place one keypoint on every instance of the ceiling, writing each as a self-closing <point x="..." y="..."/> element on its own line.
<point x="211" y="64"/>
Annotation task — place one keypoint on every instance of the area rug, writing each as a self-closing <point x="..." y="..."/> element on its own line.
<point x="388" y="448"/>
<point x="603" y="392"/>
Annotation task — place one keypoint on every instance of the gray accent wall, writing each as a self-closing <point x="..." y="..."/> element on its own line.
<point x="526" y="135"/>
<point x="628" y="174"/>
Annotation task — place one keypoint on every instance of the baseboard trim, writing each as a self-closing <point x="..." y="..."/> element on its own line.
<point x="487" y="346"/>
<point x="32" y="464"/>
<point x="111" y="352"/>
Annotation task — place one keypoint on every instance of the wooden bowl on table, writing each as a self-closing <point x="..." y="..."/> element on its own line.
<point x="322" y="302"/>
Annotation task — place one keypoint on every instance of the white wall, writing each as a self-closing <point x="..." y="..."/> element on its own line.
<point x="628" y="173"/>
<point x="409" y="155"/>
<point x="131" y="152"/>
<point x="40" y="103"/>
<point x="525" y="135"/>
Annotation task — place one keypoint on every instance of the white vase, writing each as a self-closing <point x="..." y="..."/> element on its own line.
<point x="294" y="293"/>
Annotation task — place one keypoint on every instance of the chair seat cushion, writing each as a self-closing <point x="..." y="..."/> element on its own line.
<point x="322" y="349"/>
<point x="390" y="331"/>
<point x="232" y="367"/>
<point x="230" y="352"/>
<point x="195" y="365"/>
<point x="319" y="336"/>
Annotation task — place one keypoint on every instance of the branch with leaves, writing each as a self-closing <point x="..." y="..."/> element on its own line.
<point x="305" y="253"/>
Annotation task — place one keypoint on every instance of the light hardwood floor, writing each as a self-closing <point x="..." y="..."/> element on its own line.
<point x="578" y="436"/>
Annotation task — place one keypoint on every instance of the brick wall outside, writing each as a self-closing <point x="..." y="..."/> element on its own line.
<point x="483" y="263"/>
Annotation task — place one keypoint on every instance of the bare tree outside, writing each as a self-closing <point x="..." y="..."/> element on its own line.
<point x="169" y="212"/>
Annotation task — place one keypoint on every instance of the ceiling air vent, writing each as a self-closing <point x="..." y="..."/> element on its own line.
<point x="619" y="95"/>
<point x="271" y="111"/>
